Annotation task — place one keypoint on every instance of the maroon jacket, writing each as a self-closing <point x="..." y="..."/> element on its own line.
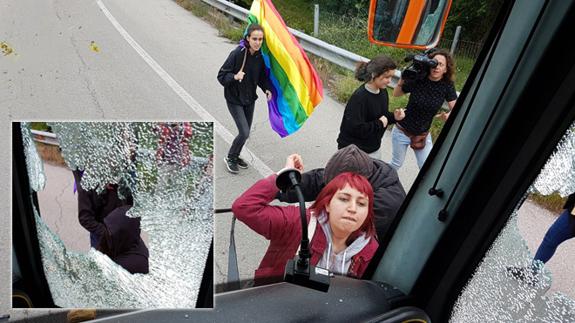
<point x="282" y="226"/>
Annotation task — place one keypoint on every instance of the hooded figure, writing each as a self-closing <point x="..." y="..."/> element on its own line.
<point x="122" y="241"/>
<point x="387" y="189"/>
<point x="93" y="207"/>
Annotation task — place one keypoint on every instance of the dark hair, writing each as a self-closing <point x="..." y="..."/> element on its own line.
<point x="252" y="28"/>
<point x="365" y="72"/>
<point x="357" y="182"/>
<point x="449" y="75"/>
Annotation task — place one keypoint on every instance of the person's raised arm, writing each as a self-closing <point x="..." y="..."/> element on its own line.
<point x="253" y="206"/>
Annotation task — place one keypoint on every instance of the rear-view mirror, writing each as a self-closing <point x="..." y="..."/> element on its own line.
<point x="407" y="23"/>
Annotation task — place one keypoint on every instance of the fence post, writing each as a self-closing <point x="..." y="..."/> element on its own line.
<point x="455" y="40"/>
<point x="315" y="20"/>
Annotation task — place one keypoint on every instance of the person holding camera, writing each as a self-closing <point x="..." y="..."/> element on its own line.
<point x="366" y="114"/>
<point x="241" y="73"/>
<point x="428" y="89"/>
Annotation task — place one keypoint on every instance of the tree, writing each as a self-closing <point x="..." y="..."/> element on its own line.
<point x="474" y="16"/>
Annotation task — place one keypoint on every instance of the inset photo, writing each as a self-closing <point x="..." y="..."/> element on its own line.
<point x="115" y="215"/>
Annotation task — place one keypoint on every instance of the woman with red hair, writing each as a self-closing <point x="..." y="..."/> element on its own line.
<point x="343" y="241"/>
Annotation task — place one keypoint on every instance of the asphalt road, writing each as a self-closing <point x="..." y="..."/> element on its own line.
<point x="146" y="60"/>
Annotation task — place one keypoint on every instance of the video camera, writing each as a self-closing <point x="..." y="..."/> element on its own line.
<point x="420" y="66"/>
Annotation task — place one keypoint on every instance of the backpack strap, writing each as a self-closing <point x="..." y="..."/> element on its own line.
<point x="245" y="57"/>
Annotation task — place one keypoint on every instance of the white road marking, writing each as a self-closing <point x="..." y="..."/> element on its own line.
<point x="258" y="164"/>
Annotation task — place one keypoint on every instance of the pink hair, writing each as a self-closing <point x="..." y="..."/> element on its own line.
<point x="357" y="182"/>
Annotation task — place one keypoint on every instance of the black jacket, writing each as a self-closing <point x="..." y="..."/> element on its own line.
<point x="244" y="92"/>
<point x="94" y="207"/>
<point x="122" y="241"/>
<point x="387" y="190"/>
<point x="360" y="124"/>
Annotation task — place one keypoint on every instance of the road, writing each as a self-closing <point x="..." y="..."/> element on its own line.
<point x="143" y="60"/>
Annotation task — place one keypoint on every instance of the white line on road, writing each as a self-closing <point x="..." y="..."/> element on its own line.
<point x="258" y="164"/>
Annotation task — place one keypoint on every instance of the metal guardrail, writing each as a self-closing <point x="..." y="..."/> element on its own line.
<point x="45" y="137"/>
<point x="313" y="45"/>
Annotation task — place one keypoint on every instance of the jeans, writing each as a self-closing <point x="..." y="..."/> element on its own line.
<point x="243" y="116"/>
<point x="562" y="229"/>
<point x="400" y="142"/>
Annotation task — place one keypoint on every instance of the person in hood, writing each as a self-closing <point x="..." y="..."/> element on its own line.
<point x="343" y="241"/>
<point x="122" y="242"/>
<point x="242" y="72"/>
<point x="94" y="206"/>
<point x="387" y="189"/>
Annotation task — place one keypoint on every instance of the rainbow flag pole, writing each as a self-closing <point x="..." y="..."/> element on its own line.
<point x="296" y="88"/>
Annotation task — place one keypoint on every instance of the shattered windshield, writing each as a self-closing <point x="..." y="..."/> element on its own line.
<point x="527" y="275"/>
<point x="125" y="218"/>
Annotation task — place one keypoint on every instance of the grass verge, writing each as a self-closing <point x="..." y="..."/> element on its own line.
<point x="225" y="25"/>
<point x="553" y="202"/>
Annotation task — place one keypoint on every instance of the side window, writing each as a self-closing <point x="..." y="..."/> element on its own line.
<point x="527" y="275"/>
<point x="125" y="216"/>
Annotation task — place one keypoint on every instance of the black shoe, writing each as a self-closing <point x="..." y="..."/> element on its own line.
<point x="524" y="274"/>
<point x="241" y="163"/>
<point x="232" y="165"/>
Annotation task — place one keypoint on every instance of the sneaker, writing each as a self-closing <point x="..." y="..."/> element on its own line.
<point x="232" y="165"/>
<point x="241" y="163"/>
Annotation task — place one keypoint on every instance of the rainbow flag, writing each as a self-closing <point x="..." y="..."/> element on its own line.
<point x="296" y="88"/>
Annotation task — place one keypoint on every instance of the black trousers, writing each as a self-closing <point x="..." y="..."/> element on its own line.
<point x="243" y="116"/>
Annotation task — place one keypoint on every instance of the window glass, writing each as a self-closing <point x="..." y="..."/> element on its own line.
<point x="34" y="164"/>
<point x="166" y="168"/>
<point x="527" y="275"/>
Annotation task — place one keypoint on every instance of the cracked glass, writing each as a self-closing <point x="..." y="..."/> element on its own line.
<point x="34" y="165"/>
<point x="527" y="275"/>
<point x="148" y="250"/>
